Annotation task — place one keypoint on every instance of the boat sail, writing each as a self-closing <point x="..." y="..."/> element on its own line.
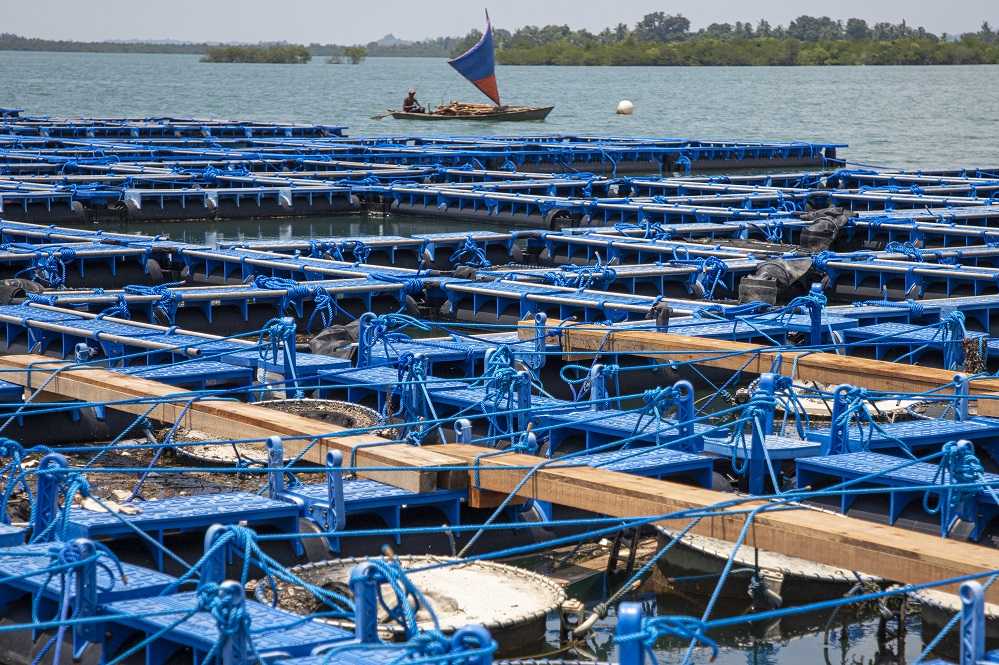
<point x="478" y="64"/>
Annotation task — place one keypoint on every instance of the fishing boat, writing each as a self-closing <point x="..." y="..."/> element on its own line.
<point x="460" y="111"/>
<point x="478" y="66"/>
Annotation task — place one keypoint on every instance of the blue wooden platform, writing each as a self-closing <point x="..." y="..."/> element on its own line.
<point x="274" y="630"/>
<point x="21" y="560"/>
<point x="983" y="432"/>
<point x="816" y="471"/>
<point x="183" y="513"/>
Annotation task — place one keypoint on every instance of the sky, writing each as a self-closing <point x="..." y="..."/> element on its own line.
<point x="348" y="22"/>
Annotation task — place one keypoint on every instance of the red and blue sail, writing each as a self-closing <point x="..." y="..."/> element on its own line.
<point x="478" y="64"/>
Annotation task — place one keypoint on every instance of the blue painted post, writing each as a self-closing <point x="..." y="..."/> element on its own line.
<point x="213" y="567"/>
<point x="275" y="460"/>
<point x="972" y="623"/>
<point x="815" y="312"/>
<point x="685" y="417"/>
<point x="413" y="403"/>
<point x="363" y="345"/>
<point x="289" y="357"/>
<point x="334" y="489"/>
<point x="237" y="649"/>
<point x="364" y="582"/>
<point x="767" y="387"/>
<point x="82" y="353"/>
<point x="463" y="430"/>
<point x="523" y="400"/>
<point x="757" y="459"/>
<point x="598" y="388"/>
<point x="839" y="430"/>
<point x="962" y="390"/>
<point x="47" y="499"/>
<point x="629" y="624"/>
<point x="540" y="340"/>
<point x="85" y="601"/>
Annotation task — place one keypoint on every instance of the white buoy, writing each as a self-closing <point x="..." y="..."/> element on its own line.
<point x="625" y="107"/>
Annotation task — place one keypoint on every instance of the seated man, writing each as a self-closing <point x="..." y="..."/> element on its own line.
<point x="410" y="105"/>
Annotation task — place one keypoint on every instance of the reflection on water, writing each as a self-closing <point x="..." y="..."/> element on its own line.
<point x="234" y="230"/>
<point x="809" y="639"/>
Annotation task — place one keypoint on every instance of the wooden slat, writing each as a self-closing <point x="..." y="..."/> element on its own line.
<point x="836" y="540"/>
<point x="228" y="419"/>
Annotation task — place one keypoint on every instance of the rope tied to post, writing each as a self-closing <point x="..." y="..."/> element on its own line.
<point x="168" y="301"/>
<point x="683" y="627"/>
<point x="469" y="254"/>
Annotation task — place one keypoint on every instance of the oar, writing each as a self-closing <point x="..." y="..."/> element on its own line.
<point x="382" y="116"/>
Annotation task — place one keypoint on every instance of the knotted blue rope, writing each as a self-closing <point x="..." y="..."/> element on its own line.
<point x="404" y="612"/>
<point x="168" y="301"/>
<point x="906" y="249"/>
<point x="119" y="310"/>
<point x="469" y="254"/>
<point x="272" y="335"/>
<point x="48" y="265"/>
<point x="954" y="333"/>
<point x="294" y="292"/>
<point x="959" y="466"/>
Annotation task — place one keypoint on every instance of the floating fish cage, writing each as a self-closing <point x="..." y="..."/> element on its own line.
<point x="323" y="449"/>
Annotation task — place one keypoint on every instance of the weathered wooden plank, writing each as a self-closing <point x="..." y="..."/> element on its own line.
<point x="836" y="540"/>
<point x="228" y="419"/>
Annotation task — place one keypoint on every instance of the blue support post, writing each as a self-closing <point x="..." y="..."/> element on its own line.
<point x="364" y="349"/>
<point x="275" y="460"/>
<point x="237" y="649"/>
<point x="962" y="390"/>
<point x="972" y="623"/>
<point x="85" y="600"/>
<point x="289" y="357"/>
<point x="761" y="409"/>
<point x="47" y="499"/>
<point x="767" y="387"/>
<point x="540" y="341"/>
<point x="213" y="567"/>
<point x="365" y="579"/>
<point x="523" y="400"/>
<point x="629" y="623"/>
<point x="685" y="416"/>
<point x="463" y="430"/>
<point x="334" y="490"/>
<point x="839" y="429"/>
<point x="414" y="405"/>
<point x="815" y="313"/>
<point x="598" y="388"/>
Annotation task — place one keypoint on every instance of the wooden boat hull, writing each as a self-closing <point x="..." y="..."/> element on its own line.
<point x="511" y="115"/>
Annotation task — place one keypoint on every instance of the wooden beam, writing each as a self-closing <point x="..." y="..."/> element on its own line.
<point x="877" y="549"/>
<point x="827" y="368"/>
<point x="231" y="420"/>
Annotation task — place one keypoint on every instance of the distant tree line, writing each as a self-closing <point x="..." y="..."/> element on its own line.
<point x="294" y="54"/>
<point x="666" y="39"/>
<point x="657" y="39"/>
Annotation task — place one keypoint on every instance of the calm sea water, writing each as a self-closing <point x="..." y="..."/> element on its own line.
<point x="896" y="116"/>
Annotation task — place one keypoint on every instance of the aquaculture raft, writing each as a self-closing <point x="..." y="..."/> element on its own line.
<point x="634" y="344"/>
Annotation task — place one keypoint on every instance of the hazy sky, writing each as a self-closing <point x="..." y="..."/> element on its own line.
<point x="351" y="22"/>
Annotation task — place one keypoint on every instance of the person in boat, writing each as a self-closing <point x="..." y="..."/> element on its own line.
<point x="410" y="104"/>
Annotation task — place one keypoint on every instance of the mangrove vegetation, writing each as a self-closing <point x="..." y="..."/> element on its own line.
<point x="294" y="54"/>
